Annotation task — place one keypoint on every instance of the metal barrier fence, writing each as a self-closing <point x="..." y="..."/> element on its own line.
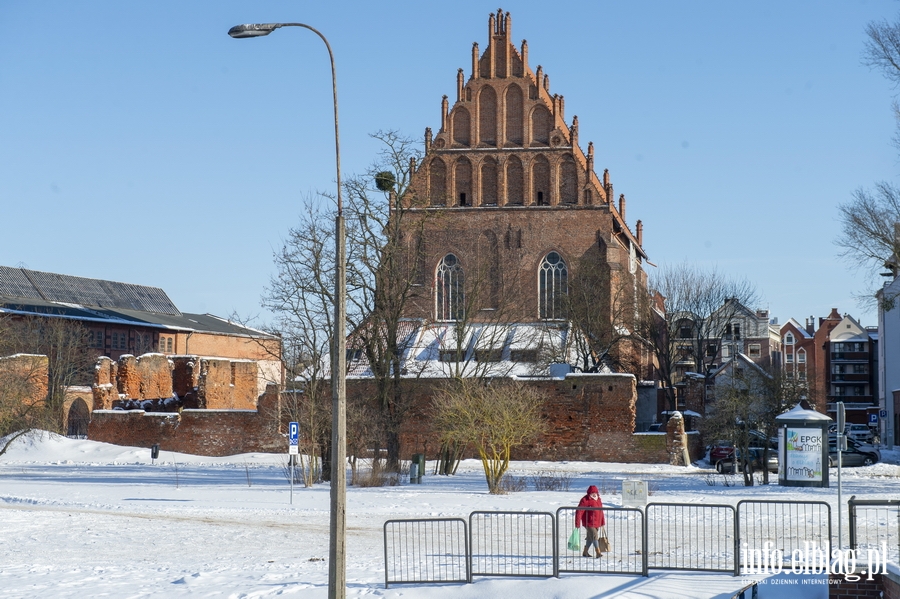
<point x="512" y="544"/>
<point x="426" y="550"/>
<point x="875" y="526"/>
<point x="625" y="529"/>
<point x="786" y="526"/>
<point x="692" y="537"/>
<point x="713" y="538"/>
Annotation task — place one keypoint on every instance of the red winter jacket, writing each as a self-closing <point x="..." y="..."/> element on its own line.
<point x="591" y="518"/>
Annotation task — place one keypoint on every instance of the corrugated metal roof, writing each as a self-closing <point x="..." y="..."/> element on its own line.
<point x="32" y="284"/>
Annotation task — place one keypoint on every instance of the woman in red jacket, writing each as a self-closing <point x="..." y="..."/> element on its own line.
<point x="592" y="520"/>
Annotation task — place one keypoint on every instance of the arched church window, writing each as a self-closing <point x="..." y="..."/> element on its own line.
<point x="553" y="287"/>
<point x="449" y="294"/>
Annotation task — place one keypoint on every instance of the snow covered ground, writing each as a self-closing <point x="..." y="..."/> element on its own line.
<point x="86" y="519"/>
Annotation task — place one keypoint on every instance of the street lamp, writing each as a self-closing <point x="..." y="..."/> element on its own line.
<point x="337" y="566"/>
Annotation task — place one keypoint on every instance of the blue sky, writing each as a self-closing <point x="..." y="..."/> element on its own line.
<point x="140" y="143"/>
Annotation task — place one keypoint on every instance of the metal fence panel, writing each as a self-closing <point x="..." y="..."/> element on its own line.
<point x="684" y="536"/>
<point x="787" y="526"/>
<point x="426" y="550"/>
<point x="512" y="543"/>
<point x="625" y="529"/>
<point x="875" y="526"/>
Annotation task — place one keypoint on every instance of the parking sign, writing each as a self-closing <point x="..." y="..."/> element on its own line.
<point x="873" y="418"/>
<point x="293" y="438"/>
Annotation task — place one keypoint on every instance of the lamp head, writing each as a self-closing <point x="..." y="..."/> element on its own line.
<point x="253" y="30"/>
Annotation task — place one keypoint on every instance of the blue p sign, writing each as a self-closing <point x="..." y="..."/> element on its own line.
<point x="873" y="418"/>
<point x="294" y="433"/>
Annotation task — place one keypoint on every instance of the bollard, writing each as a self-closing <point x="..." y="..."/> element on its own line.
<point x="413" y="473"/>
<point x="419" y="460"/>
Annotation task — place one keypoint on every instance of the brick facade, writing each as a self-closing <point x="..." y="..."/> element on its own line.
<point x="504" y="184"/>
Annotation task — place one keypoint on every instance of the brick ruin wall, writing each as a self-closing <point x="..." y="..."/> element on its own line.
<point x="217" y="411"/>
<point x="589" y="417"/>
<point x="198" y="383"/>
<point x="196" y="431"/>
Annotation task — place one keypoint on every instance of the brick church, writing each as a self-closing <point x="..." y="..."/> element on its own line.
<point x="506" y="209"/>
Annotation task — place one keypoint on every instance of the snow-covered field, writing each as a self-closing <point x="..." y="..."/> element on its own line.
<point x="86" y="519"/>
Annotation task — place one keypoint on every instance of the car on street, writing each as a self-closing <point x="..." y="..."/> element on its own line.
<point x="723" y="449"/>
<point x="726" y="465"/>
<point x="860" y="432"/>
<point x="856" y="454"/>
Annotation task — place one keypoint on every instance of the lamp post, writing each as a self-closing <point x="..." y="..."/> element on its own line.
<point x="337" y="566"/>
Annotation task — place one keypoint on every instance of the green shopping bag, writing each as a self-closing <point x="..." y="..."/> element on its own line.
<point x="574" y="540"/>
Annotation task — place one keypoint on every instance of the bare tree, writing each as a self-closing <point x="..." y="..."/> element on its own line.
<point x="382" y="271"/>
<point x="66" y="362"/>
<point x="493" y="418"/>
<point x="381" y="266"/>
<point x="695" y="304"/>
<point x="869" y="221"/>
<point x="607" y="316"/>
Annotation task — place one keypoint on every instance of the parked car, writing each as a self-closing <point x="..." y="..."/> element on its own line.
<point x="723" y="450"/>
<point x="726" y="465"/>
<point x="860" y="432"/>
<point x="854" y="455"/>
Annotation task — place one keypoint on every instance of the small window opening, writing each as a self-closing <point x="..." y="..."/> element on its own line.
<point x="462" y="199"/>
<point x="540" y="199"/>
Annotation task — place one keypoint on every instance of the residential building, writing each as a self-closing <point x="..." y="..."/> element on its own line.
<point x="123" y="318"/>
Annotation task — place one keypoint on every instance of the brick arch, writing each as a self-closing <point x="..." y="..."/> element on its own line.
<point x="462" y="126"/>
<point x="540" y="181"/>
<point x="541" y="124"/>
<point x="487" y="116"/>
<point x="77" y="410"/>
<point x="568" y="180"/>
<point x="437" y="182"/>
<point x="489" y="181"/>
<point x="462" y="181"/>
<point x="515" y="181"/>
<point x="515" y="116"/>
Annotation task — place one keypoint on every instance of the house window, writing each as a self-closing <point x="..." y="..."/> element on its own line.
<point x="488" y="355"/>
<point x="711" y="350"/>
<point x="801" y="356"/>
<point x="788" y="358"/>
<point x="789" y="339"/>
<point x="95" y="339"/>
<point x="169" y="347"/>
<point x="726" y="351"/>
<point x="449" y="294"/>
<point x="837" y="369"/>
<point x="737" y="331"/>
<point x="858" y="390"/>
<point x="523" y="355"/>
<point x="684" y="332"/>
<point x="754" y="350"/>
<point x="554" y="286"/>
<point x="839" y="391"/>
<point x="860" y="369"/>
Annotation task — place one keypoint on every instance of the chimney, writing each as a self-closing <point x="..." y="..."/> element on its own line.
<point x="622" y="206"/>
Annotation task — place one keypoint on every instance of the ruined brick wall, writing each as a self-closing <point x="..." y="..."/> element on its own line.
<point x="198" y="432"/>
<point x="589" y="417"/>
<point x="25" y="377"/>
<point x="226" y="385"/>
<point x="265" y="352"/>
